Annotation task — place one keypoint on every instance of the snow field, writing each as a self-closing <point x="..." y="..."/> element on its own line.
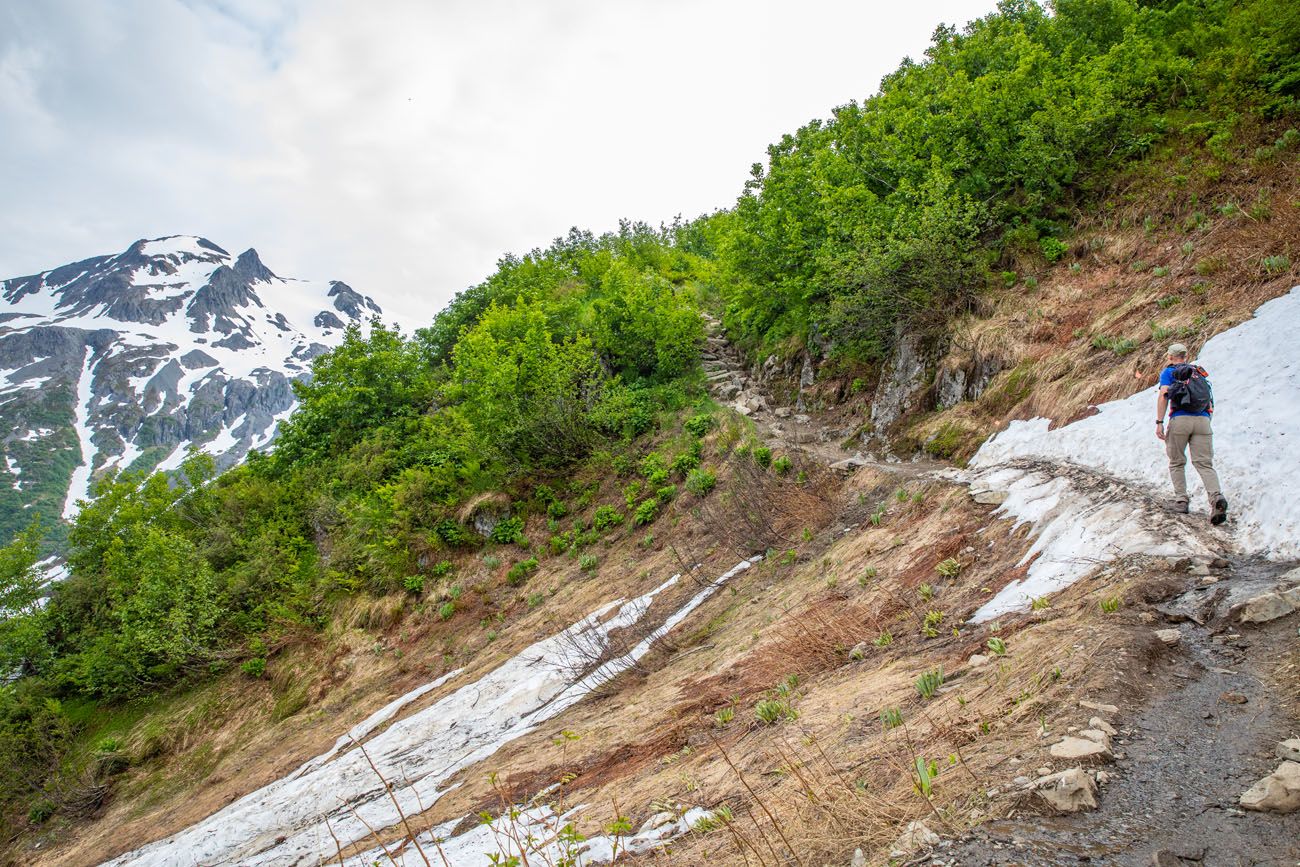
<point x="1254" y="369"/>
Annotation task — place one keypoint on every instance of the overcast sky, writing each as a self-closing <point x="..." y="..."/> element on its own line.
<point x="403" y="147"/>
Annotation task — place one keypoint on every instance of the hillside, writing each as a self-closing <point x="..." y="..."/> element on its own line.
<point x="825" y="529"/>
<point x="121" y="363"/>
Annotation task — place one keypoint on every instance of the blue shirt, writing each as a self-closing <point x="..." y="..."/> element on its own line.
<point x="1166" y="380"/>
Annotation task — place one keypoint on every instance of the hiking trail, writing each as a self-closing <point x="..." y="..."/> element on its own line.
<point x="790" y="428"/>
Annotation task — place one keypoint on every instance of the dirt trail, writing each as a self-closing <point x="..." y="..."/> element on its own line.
<point x="789" y="428"/>
<point x="1217" y="707"/>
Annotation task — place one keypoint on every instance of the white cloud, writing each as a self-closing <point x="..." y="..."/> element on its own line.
<point x="404" y="146"/>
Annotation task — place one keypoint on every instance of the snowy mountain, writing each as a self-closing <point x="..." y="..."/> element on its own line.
<point x="123" y="362"/>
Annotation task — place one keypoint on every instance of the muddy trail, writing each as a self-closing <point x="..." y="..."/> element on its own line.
<point x="1216" y="707"/>
<point x="791" y="428"/>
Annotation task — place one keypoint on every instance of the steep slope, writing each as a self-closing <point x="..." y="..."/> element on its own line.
<point x="124" y="362"/>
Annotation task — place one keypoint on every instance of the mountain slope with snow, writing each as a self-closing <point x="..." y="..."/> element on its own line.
<point x="125" y="362"/>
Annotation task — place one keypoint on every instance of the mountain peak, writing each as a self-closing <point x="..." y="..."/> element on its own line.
<point x="141" y="354"/>
<point x="249" y="266"/>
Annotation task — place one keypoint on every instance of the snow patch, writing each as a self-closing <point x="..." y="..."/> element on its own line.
<point x="1080" y="522"/>
<point x="297" y="818"/>
<point x="77" y="487"/>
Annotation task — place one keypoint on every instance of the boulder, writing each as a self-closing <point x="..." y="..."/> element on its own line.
<point x="989" y="498"/>
<point x="1169" y="636"/>
<point x="1068" y="791"/>
<point x="859" y="652"/>
<point x="1075" y="748"/>
<point x="1270" y="606"/>
<point x="917" y="835"/>
<point x="851" y="463"/>
<point x="979" y="660"/>
<point x="1279" y="792"/>
<point x="1289" y="750"/>
<point x="859" y="859"/>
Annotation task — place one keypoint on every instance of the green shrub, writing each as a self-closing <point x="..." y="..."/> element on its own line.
<point x="654" y="469"/>
<point x="519" y="572"/>
<point x="928" y="684"/>
<point x="699" y="425"/>
<point x="666" y="494"/>
<point x="782" y="465"/>
<point x="687" y="460"/>
<point x="441" y="568"/>
<point x="447" y="610"/>
<point x="1119" y="345"/>
<point x="560" y="542"/>
<point x="535" y="599"/>
<point x="1053" y="248"/>
<point x="40" y="812"/>
<point x="508" y="530"/>
<point x="413" y="583"/>
<point x="1276" y="264"/>
<point x="646" y="513"/>
<point x="254" y="667"/>
<point x="606" y="518"/>
<point x="763" y="456"/>
<point x="452" y="535"/>
<point x="632" y="493"/>
<point x="770" y="711"/>
<point x="700" y="482"/>
<point x="587" y="562"/>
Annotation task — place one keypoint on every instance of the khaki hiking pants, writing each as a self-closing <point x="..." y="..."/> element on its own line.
<point x="1191" y="430"/>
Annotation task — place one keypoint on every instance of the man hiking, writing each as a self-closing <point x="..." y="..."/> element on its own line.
<point x="1185" y="388"/>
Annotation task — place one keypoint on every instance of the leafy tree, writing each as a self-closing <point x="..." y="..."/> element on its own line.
<point x="22" y="639"/>
<point x="361" y="384"/>
<point x="525" y="393"/>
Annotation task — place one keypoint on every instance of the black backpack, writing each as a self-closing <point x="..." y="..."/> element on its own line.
<point x="1190" y="391"/>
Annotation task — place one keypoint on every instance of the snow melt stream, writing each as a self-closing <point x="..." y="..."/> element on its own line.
<point x="295" y="820"/>
<point x="1094" y="489"/>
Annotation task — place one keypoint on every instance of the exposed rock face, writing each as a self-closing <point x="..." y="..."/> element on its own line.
<point x="124" y="362"/>
<point x="955" y="383"/>
<point x="899" y="392"/>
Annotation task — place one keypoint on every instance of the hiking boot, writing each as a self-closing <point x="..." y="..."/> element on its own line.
<point x="1219" y="513"/>
<point x="1178" y="506"/>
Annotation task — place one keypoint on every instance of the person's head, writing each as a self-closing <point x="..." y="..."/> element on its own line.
<point x="1177" y="353"/>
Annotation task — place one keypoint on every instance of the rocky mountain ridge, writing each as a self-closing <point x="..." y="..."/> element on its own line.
<point x="124" y="362"/>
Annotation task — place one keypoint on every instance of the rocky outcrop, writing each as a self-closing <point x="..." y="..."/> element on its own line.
<point x="900" y="390"/>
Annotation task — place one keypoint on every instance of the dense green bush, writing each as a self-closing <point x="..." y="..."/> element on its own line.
<point x="892" y="211"/>
<point x="606" y="518"/>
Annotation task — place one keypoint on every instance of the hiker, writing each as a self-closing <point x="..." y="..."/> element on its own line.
<point x="1185" y="388"/>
